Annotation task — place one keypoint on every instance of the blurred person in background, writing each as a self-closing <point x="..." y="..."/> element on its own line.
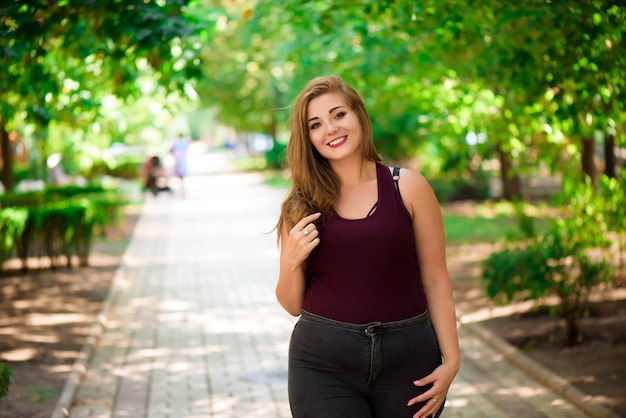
<point x="178" y="150"/>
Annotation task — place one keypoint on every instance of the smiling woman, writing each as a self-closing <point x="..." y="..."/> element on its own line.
<point x="331" y="124"/>
<point x="362" y="262"/>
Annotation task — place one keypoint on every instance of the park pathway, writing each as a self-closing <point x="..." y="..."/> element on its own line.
<point x="193" y="330"/>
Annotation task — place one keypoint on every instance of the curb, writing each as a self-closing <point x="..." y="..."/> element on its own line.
<point x="538" y="372"/>
<point x="79" y="368"/>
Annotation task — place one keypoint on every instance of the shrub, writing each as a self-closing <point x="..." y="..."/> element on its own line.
<point x="12" y="224"/>
<point x="59" y="221"/>
<point x="5" y="380"/>
<point x="568" y="261"/>
<point x="552" y="265"/>
<point x="276" y="156"/>
<point x="129" y="170"/>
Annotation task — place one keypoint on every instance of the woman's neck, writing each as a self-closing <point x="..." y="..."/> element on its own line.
<point x="353" y="173"/>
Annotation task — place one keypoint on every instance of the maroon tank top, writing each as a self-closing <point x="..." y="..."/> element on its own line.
<point x="366" y="270"/>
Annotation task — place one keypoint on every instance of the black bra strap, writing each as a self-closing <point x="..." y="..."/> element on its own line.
<point x="396" y="177"/>
<point x="372" y="209"/>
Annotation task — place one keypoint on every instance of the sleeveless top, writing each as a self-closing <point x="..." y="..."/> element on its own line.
<point x="366" y="270"/>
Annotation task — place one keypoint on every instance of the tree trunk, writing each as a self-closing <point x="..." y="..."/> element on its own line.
<point x="610" y="162"/>
<point x="511" y="184"/>
<point x="6" y="174"/>
<point x="571" y="330"/>
<point x="589" y="160"/>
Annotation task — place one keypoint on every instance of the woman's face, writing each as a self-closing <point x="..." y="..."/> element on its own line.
<point x="334" y="127"/>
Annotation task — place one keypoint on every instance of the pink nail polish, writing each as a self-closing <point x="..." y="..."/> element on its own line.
<point x="417" y="382"/>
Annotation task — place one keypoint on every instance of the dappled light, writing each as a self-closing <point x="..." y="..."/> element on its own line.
<point x="21" y="354"/>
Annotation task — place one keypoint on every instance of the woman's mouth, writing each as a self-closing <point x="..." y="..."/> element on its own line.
<point x="337" y="142"/>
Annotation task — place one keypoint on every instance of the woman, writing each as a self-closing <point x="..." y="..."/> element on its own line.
<point x="179" y="149"/>
<point x="362" y="261"/>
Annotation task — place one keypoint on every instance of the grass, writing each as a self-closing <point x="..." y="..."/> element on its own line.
<point x="469" y="229"/>
<point x="40" y="394"/>
<point x="250" y="163"/>
<point x="277" y="181"/>
<point x="483" y="225"/>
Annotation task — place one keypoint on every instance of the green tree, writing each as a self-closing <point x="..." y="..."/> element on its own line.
<point x="59" y="58"/>
<point x="431" y="73"/>
<point x="558" y="66"/>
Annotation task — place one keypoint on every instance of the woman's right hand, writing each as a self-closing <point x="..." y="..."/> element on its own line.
<point x="295" y="246"/>
<point x="300" y="240"/>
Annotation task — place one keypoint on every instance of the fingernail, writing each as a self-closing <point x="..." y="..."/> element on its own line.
<point x="417" y="382"/>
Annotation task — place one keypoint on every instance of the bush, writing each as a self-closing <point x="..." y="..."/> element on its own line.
<point x="19" y="199"/>
<point x="546" y="267"/>
<point x="5" y="380"/>
<point x="60" y="222"/>
<point x="58" y="229"/>
<point x="558" y="263"/>
<point x="12" y="224"/>
<point x="276" y="156"/>
<point x="127" y="170"/>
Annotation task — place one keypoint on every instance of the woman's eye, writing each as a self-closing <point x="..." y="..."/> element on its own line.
<point x="340" y="115"/>
<point x="314" y="126"/>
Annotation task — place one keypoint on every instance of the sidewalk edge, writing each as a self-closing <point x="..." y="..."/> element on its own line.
<point x="555" y="382"/>
<point x="79" y="368"/>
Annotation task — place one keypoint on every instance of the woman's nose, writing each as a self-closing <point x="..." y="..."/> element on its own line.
<point x="332" y="128"/>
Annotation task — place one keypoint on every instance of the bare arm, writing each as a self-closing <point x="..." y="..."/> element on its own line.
<point x="431" y="253"/>
<point x="295" y="247"/>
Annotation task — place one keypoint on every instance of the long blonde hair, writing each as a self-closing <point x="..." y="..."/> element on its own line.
<point x="314" y="186"/>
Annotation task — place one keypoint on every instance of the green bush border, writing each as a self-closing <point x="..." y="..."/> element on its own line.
<point x="56" y="223"/>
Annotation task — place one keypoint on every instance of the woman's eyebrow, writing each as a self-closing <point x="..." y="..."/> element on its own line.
<point x="331" y="110"/>
<point x="334" y="108"/>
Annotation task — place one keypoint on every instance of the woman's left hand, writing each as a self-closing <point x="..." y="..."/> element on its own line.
<point x="441" y="379"/>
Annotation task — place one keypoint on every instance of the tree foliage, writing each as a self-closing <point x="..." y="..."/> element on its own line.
<point x="534" y="81"/>
<point x="61" y="58"/>
<point x="537" y="79"/>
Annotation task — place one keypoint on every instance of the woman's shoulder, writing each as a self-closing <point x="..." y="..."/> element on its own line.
<point x="408" y="176"/>
<point x="414" y="189"/>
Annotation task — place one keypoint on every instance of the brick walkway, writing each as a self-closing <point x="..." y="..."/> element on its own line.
<point x="193" y="328"/>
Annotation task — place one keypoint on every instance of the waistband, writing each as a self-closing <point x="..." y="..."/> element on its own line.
<point x="372" y="327"/>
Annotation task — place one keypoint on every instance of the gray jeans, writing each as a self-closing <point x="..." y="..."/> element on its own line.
<point x="344" y="370"/>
